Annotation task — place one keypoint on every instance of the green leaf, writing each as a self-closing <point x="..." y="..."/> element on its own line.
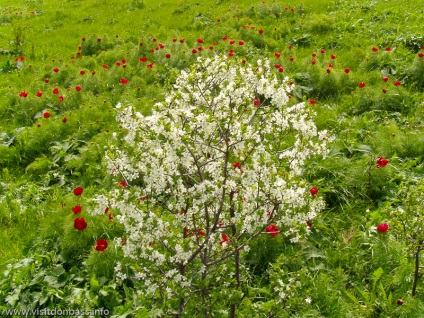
<point x="94" y="284"/>
<point x="350" y="296"/>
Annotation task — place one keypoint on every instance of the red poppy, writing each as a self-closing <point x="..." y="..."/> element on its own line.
<point x="383" y="227"/>
<point x="362" y="85"/>
<point x="291" y="58"/>
<point x="56" y="69"/>
<point x="333" y="56"/>
<point x="143" y="59"/>
<point x="55" y="90"/>
<point x="80" y="224"/>
<point x="46" y="80"/>
<point x="241" y="43"/>
<point x="381" y="162"/>
<point x="93" y="72"/>
<point x="225" y="38"/>
<point x="277" y="54"/>
<point x="60" y="98"/>
<point x="78" y="191"/>
<point x="322" y="51"/>
<point x="82" y="72"/>
<point x="314" y="55"/>
<point x="194" y="51"/>
<point x="385" y="79"/>
<point x="384" y="90"/>
<point x="123" y="81"/>
<point x="101" y="245"/>
<point x="211" y="47"/>
<point x="328" y="70"/>
<point x="105" y="66"/>
<point x="272" y="230"/>
<point x="168" y="55"/>
<point x="106" y="210"/>
<point x="261" y="31"/>
<point x="77" y="209"/>
<point x="199" y="40"/>
<point x="174" y="40"/>
<point x="313" y="191"/>
<point x="123" y="184"/>
<point x="308" y="223"/>
<point x="388" y="49"/>
<point x="236" y="165"/>
<point x="396" y="83"/>
<point x="78" y="88"/>
<point x="118" y="63"/>
<point x="46" y="115"/>
<point x="23" y="94"/>
<point x="224" y="239"/>
<point x="181" y="41"/>
<point x="347" y="70"/>
<point x="314" y="62"/>
<point x="64" y="119"/>
<point x="421" y="54"/>
<point x="256" y="102"/>
<point x="99" y="39"/>
<point x="313" y="102"/>
<point x="375" y="49"/>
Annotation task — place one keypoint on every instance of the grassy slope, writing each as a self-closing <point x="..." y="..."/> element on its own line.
<point x="389" y="125"/>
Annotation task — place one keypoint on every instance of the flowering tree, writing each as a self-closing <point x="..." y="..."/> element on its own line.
<point x="218" y="163"/>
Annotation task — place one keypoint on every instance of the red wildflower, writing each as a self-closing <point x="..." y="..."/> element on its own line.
<point x="78" y="88"/>
<point x="383" y="227"/>
<point x="313" y="191"/>
<point x="55" y="90"/>
<point x="123" y="81"/>
<point x="46" y="115"/>
<point x="77" y="209"/>
<point x="272" y="230"/>
<point x="101" y="245"/>
<point x="80" y="224"/>
<point x="362" y="85"/>
<point x="381" y="162"/>
<point x="78" y="191"/>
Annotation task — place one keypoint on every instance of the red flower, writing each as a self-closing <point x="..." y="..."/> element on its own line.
<point x="291" y="58"/>
<point x="384" y="90"/>
<point x="362" y="85"/>
<point x="150" y="65"/>
<point x="277" y="54"/>
<point x="347" y="70"/>
<point x="78" y="191"/>
<point x="388" y="49"/>
<point x="56" y="70"/>
<point x="314" y="62"/>
<point x="181" y="40"/>
<point x="385" y="79"/>
<point x="77" y="209"/>
<point x="168" y="55"/>
<point x="211" y="47"/>
<point x="64" y="119"/>
<point x="105" y="66"/>
<point x="93" y="72"/>
<point x="199" y="40"/>
<point x="106" y="210"/>
<point x="396" y="83"/>
<point x="241" y="43"/>
<point x="23" y="94"/>
<point x="381" y="162"/>
<point x="82" y="72"/>
<point x="39" y="93"/>
<point x="313" y="191"/>
<point x="322" y="51"/>
<point x="261" y="31"/>
<point x="314" y="55"/>
<point x="256" y="102"/>
<point x="290" y="47"/>
<point x="83" y="38"/>
<point x="383" y="227"/>
<point x="46" y="115"/>
<point x="333" y="56"/>
<point x="143" y="59"/>
<point x="55" y="90"/>
<point x="61" y="98"/>
<point x="123" y="184"/>
<point x="80" y="224"/>
<point x="232" y="42"/>
<point x="118" y="63"/>
<point x="174" y="40"/>
<point x="281" y="70"/>
<point x="78" y="88"/>
<point x="101" y="245"/>
<point x="99" y="39"/>
<point x="46" y="80"/>
<point x="375" y="49"/>
<point x="421" y="54"/>
<point x="236" y="165"/>
<point x="328" y="70"/>
<point x="272" y="230"/>
<point x="308" y="223"/>
<point x="194" y="51"/>
<point x="313" y="102"/>
<point x="123" y="81"/>
<point x="202" y="233"/>
<point x="224" y="239"/>
<point x="225" y="38"/>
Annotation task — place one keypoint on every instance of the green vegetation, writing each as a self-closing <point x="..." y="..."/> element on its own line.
<point x="346" y="268"/>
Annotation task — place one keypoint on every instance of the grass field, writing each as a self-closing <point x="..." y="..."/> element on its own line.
<point x="65" y="65"/>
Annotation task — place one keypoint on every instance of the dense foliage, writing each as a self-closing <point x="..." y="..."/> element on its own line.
<point x="359" y="66"/>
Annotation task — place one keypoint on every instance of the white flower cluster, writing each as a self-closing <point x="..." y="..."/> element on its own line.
<point x="220" y="159"/>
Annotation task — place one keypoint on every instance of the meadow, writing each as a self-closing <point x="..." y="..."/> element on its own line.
<point x="65" y="67"/>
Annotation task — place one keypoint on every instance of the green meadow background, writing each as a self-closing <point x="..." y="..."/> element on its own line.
<point x="346" y="267"/>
